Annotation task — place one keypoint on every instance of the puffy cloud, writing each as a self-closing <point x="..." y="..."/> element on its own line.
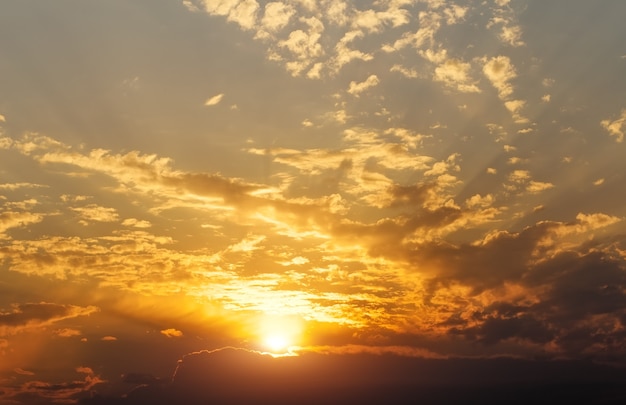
<point x="429" y="23"/>
<point x="36" y="391"/>
<point x="500" y="71"/>
<point x="136" y="223"/>
<point x="616" y="127"/>
<point x="343" y="53"/>
<point x="356" y="88"/>
<point x="304" y="45"/>
<point x="68" y="332"/>
<point x="511" y="35"/>
<point x="455" y="73"/>
<point x="373" y="21"/>
<point x="277" y="16"/>
<point x="12" y="219"/>
<point x="214" y="100"/>
<point x="171" y="333"/>
<point x="410" y="73"/>
<point x="93" y="212"/>
<point x="521" y="180"/>
<point x="242" y="12"/>
<point x="28" y="316"/>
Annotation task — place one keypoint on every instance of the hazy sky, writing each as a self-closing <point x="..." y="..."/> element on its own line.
<point x="434" y="179"/>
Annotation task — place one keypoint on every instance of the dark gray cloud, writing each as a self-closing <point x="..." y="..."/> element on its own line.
<point x="236" y="376"/>
<point x="40" y="313"/>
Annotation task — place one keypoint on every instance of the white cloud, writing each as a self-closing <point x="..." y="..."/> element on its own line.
<point x="429" y="23"/>
<point x="358" y="88"/>
<point x="616" y="127"/>
<point x="500" y="71"/>
<point x="136" y="223"/>
<point x="344" y="54"/>
<point x="514" y="106"/>
<point x="93" y="212"/>
<point x="214" y="100"/>
<point x="276" y="16"/>
<point x="304" y="45"/>
<point x="455" y="73"/>
<point x="511" y="35"/>
<point x="244" y="14"/>
<point x="171" y="333"/>
<point x="410" y="73"/>
<point x="455" y="14"/>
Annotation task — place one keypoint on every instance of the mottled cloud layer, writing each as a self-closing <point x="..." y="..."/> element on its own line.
<point x="411" y="181"/>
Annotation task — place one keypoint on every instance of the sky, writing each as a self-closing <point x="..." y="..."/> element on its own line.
<point x="310" y="186"/>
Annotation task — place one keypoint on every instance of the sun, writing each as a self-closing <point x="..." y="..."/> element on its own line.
<point x="278" y="334"/>
<point x="276" y="343"/>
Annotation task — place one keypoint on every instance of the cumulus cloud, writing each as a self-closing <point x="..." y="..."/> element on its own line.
<point x="136" y="223"/>
<point x="277" y="16"/>
<point x="304" y="45"/>
<point x="615" y="127"/>
<point x="13" y="219"/>
<point x="521" y="180"/>
<point x="93" y="212"/>
<point x="500" y="71"/>
<point x="356" y="88"/>
<point x="214" y="100"/>
<point x="454" y="73"/>
<point x="171" y="333"/>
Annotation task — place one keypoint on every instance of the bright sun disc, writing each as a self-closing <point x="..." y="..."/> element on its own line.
<point x="276" y="343"/>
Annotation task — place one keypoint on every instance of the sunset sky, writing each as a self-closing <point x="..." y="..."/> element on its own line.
<point x="426" y="179"/>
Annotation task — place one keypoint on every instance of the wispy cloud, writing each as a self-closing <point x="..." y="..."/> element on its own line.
<point x="215" y="100"/>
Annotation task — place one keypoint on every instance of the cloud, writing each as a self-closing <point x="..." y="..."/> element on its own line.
<point x="68" y="332"/>
<point x="410" y="73"/>
<point x="429" y="23"/>
<point x="12" y="219"/>
<point x="304" y="45"/>
<point x="455" y="73"/>
<point x="500" y="71"/>
<point x="23" y="372"/>
<point x="344" y="54"/>
<point x="242" y="12"/>
<point x="38" y="315"/>
<point x="357" y="88"/>
<point x="233" y="376"/>
<point x="277" y="16"/>
<point x="108" y="339"/>
<point x="616" y="128"/>
<point x="521" y="180"/>
<point x="417" y="226"/>
<point x="215" y="100"/>
<point x="511" y="35"/>
<point x="136" y="223"/>
<point x="36" y="391"/>
<point x="96" y="213"/>
<point x="171" y="333"/>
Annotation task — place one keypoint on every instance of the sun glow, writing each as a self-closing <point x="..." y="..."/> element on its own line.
<point x="276" y="343"/>
<point x="277" y="334"/>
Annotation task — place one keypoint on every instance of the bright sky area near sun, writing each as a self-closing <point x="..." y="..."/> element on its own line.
<point x="424" y="177"/>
